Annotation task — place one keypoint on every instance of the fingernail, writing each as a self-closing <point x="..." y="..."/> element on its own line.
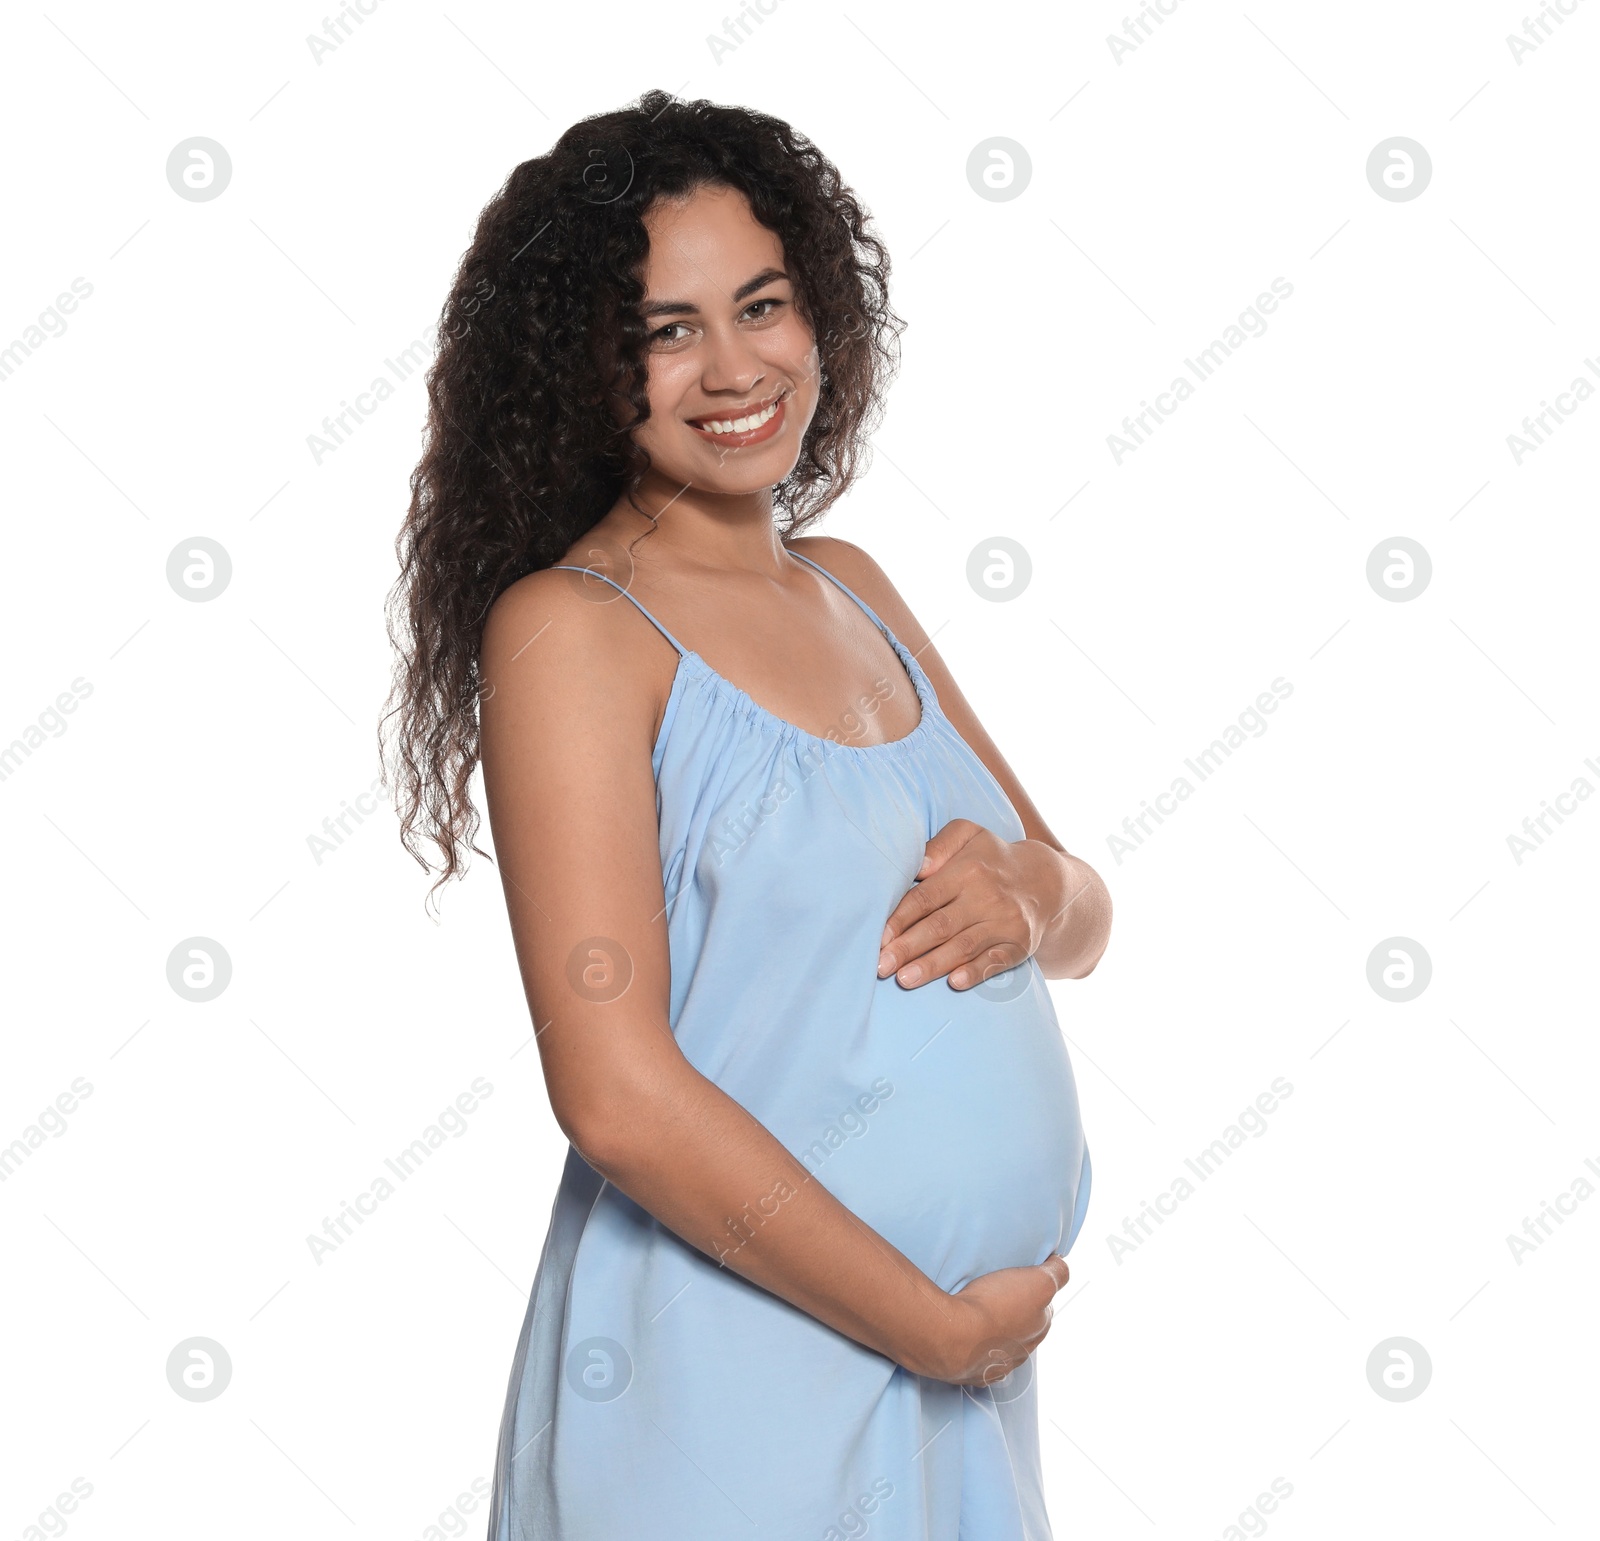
<point x="883" y="964"/>
<point x="910" y="974"/>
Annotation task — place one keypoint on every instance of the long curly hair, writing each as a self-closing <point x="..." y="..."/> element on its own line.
<point x="539" y="339"/>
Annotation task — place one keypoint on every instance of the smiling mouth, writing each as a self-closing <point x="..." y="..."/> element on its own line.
<point x="743" y="426"/>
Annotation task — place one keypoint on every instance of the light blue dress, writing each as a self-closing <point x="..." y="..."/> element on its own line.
<point x="658" y="1396"/>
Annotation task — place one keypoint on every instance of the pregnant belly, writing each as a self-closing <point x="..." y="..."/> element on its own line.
<point x="975" y="1159"/>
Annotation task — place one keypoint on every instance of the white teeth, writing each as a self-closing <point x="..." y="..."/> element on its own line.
<point x="741" y="424"/>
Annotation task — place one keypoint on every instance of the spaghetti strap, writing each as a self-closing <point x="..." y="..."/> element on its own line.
<point x="570" y="567"/>
<point x="872" y="614"/>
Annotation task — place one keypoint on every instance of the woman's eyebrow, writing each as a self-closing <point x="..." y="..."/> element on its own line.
<point x="683" y="308"/>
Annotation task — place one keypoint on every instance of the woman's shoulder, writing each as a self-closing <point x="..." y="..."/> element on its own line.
<point x="545" y="604"/>
<point x="847" y="562"/>
<point x="556" y="642"/>
<point x="577" y="602"/>
<point x="857" y="570"/>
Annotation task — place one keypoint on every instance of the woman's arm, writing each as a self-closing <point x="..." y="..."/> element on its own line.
<point x="568" y="716"/>
<point x="1076" y="906"/>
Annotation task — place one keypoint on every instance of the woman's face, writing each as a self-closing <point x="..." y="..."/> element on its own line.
<point x="733" y="367"/>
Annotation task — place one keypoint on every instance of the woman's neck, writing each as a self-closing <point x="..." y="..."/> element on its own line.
<point x="696" y="529"/>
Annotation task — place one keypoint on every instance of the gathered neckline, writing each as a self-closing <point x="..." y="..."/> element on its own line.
<point x="752" y="708"/>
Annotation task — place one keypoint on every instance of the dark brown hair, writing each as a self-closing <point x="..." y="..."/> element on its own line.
<point x="539" y="339"/>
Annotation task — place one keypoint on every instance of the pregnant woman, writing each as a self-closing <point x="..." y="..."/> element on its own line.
<point x="783" y="913"/>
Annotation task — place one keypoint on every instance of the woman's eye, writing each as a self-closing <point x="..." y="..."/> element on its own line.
<point x="673" y="331"/>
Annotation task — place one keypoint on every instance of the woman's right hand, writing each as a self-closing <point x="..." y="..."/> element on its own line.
<point x="994" y="1323"/>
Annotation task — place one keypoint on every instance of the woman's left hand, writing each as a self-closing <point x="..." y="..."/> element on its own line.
<point x="982" y="906"/>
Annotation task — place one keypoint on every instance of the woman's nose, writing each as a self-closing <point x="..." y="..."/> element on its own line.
<point x="730" y="362"/>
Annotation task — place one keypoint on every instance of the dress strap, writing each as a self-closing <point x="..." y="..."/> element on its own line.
<point x="872" y="614"/>
<point x="592" y="573"/>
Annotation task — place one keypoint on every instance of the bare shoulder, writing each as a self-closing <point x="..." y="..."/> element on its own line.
<point x="541" y="618"/>
<point x="857" y="569"/>
<point x="570" y="652"/>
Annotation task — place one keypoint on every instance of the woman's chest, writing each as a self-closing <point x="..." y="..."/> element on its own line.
<point x="790" y="831"/>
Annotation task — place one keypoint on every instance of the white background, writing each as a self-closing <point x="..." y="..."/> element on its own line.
<point x="1168" y="591"/>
